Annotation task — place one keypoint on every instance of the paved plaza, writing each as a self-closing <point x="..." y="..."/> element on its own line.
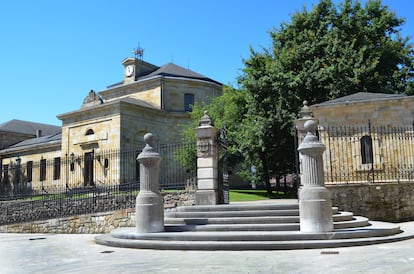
<point x="69" y="253"/>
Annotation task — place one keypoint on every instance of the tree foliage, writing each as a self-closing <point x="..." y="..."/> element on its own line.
<point x="324" y="53"/>
<point x="265" y="134"/>
<point x="335" y="50"/>
<point x="329" y="51"/>
<point x="226" y="111"/>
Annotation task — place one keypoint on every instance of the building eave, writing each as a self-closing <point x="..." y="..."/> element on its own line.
<point x="160" y="77"/>
<point x="29" y="148"/>
<point x="392" y="97"/>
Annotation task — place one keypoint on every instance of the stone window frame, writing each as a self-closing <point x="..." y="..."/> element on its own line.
<point x="189" y="100"/>
<point x="29" y="171"/>
<point x="56" y="168"/>
<point x="358" y="164"/>
<point x="5" y="172"/>
<point x="43" y="168"/>
<point x="367" y="152"/>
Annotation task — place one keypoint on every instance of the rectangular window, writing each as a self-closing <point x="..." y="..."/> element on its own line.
<point x="6" y="172"/>
<point x="188" y="102"/>
<point x="56" y="168"/>
<point x="29" y="171"/>
<point x="42" y="170"/>
<point x="367" y="154"/>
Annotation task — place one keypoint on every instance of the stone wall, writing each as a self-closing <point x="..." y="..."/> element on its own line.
<point x="89" y="223"/>
<point x="381" y="202"/>
<point x="102" y="222"/>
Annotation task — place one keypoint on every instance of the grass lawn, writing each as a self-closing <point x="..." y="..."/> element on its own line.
<point x="239" y="195"/>
<point x="248" y="195"/>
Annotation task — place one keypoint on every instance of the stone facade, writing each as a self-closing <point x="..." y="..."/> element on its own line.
<point x="149" y="99"/>
<point x="357" y="109"/>
<point x="386" y="120"/>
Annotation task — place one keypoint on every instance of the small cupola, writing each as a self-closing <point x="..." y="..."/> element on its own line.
<point x="135" y="67"/>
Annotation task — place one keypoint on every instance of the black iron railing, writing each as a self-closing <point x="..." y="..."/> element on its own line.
<point x="67" y="202"/>
<point x="368" y="154"/>
<point x="24" y="178"/>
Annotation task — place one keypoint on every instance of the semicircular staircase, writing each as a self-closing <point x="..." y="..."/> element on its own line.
<point x="252" y="226"/>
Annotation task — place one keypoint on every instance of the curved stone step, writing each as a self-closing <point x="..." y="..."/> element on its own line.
<point x="233" y="220"/>
<point x="357" y="221"/>
<point x="339" y="217"/>
<point x="242" y="213"/>
<point x="252" y="227"/>
<point x="233" y="227"/>
<point x="239" y="210"/>
<point x="237" y="207"/>
<point x="380" y="229"/>
<point x="253" y="224"/>
<point x="378" y="232"/>
<point x="343" y="216"/>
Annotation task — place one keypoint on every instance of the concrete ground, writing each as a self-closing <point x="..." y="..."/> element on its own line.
<point x="69" y="253"/>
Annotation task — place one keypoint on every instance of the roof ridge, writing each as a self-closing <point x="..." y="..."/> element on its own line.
<point x="28" y="127"/>
<point x="361" y="97"/>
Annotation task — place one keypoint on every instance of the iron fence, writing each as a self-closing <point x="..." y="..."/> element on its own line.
<point x="94" y="170"/>
<point x="67" y="202"/>
<point x="367" y="154"/>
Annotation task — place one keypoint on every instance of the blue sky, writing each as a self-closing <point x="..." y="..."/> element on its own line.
<point x="52" y="53"/>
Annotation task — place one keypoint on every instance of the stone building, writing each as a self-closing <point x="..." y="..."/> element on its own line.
<point x="150" y="98"/>
<point x="368" y="136"/>
<point x="14" y="131"/>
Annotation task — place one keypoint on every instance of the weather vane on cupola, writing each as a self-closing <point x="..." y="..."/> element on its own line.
<point x="138" y="52"/>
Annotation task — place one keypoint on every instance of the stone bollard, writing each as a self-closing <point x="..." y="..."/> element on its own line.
<point x="315" y="206"/>
<point x="149" y="203"/>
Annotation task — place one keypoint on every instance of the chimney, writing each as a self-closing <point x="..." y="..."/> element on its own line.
<point x="38" y="133"/>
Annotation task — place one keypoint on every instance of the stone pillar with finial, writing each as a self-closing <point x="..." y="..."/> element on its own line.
<point x="305" y="114"/>
<point x="207" y="183"/>
<point x="315" y="206"/>
<point x="149" y="203"/>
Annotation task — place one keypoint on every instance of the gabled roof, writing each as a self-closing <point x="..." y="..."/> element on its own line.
<point x="57" y="137"/>
<point x="172" y="70"/>
<point x="26" y="127"/>
<point x="360" y="97"/>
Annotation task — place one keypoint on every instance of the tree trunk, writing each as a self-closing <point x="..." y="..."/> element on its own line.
<point x="266" y="176"/>
<point x="277" y="184"/>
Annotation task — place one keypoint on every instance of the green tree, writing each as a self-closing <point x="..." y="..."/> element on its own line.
<point x="265" y="135"/>
<point x="336" y="50"/>
<point x="226" y="111"/>
<point x="324" y="53"/>
<point x="329" y="51"/>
